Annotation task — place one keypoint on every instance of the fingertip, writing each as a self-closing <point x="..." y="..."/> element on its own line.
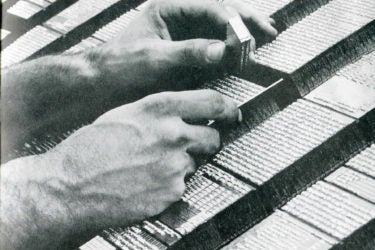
<point x="272" y="21"/>
<point x="233" y="113"/>
<point x="270" y="27"/>
<point x="266" y="25"/>
<point x="272" y="31"/>
<point x="240" y="117"/>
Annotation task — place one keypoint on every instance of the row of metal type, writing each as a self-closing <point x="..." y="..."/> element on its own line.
<point x="284" y="145"/>
<point x="63" y="30"/>
<point x="333" y="213"/>
<point x="280" y="149"/>
<point x="310" y="51"/>
<point x="322" y="215"/>
<point x="78" y="27"/>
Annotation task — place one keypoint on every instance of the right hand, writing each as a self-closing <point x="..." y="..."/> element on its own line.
<point x="127" y="165"/>
<point x="131" y="162"/>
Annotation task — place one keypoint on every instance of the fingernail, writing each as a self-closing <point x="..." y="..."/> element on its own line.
<point x="271" y="28"/>
<point x="273" y="31"/>
<point x="240" y="117"/>
<point x="215" y="51"/>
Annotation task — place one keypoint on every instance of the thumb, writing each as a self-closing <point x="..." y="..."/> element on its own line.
<point x="202" y="52"/>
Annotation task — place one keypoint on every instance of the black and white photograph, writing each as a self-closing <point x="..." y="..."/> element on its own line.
<point x="187" y="125"/>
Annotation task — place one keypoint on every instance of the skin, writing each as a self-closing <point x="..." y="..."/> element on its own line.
<point x="127" y="165"/>
<point x="130" y="162"/>
<point x="58" y="93"/>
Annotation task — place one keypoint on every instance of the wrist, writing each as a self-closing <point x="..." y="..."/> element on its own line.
<point x="34" y="206"/>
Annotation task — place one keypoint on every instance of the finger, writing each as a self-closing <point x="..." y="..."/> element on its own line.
<point x="178" y="165"/>
<point x="190" y="166"/>
<point x="196" y="19"/>
<point x="203" y="140"/>
<point x="272" y="21"/>
<point x="201" y="105"/>
<point x="185" y="11"/>
<point x="179" y="188"/>
<point x="200" y="52"/>
<point x="252" y="17"/>
<point x="186" y="162"/>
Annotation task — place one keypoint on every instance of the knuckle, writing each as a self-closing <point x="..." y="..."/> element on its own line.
<point x="167" y="99"/>
<point x="217" y="102"/>
<point x="162" y="3"/>
<point x="189" y="164"/>
<point x="171" y="170"/>
<point x="148" y="54"/>
<point x="179" y="190"/>
<point x="188" y="50"/>
<point x="148" y="103"/>
<point x="141" y="50"/>
<point x="185" y="164"/>
<point x="195" y="51"/>
<point x="176" y="134"/>
<point x="156" y="103"/>
<point x="154" y="5"/>
<point x="223" y="107"/>
<point x="176" y="165"/>
<point x="186" y="160"/>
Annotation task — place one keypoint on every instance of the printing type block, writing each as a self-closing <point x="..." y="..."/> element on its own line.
<point x="238" y="40"/>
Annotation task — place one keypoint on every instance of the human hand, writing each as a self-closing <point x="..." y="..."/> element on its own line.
<point x="128" y="165"/>
<point x="142" y="60"/>
<point x="177" y="20"/>
<point x="172" y="44"/>
<point x="135" y="157"/>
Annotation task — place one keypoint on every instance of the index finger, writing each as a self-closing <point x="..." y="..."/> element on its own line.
<point x="252" y="16"/>
<point x="185" y="11"/>
<point x="203" y="105"/>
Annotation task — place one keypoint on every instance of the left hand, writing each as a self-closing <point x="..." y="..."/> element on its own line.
<point x="177" y="42"/>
